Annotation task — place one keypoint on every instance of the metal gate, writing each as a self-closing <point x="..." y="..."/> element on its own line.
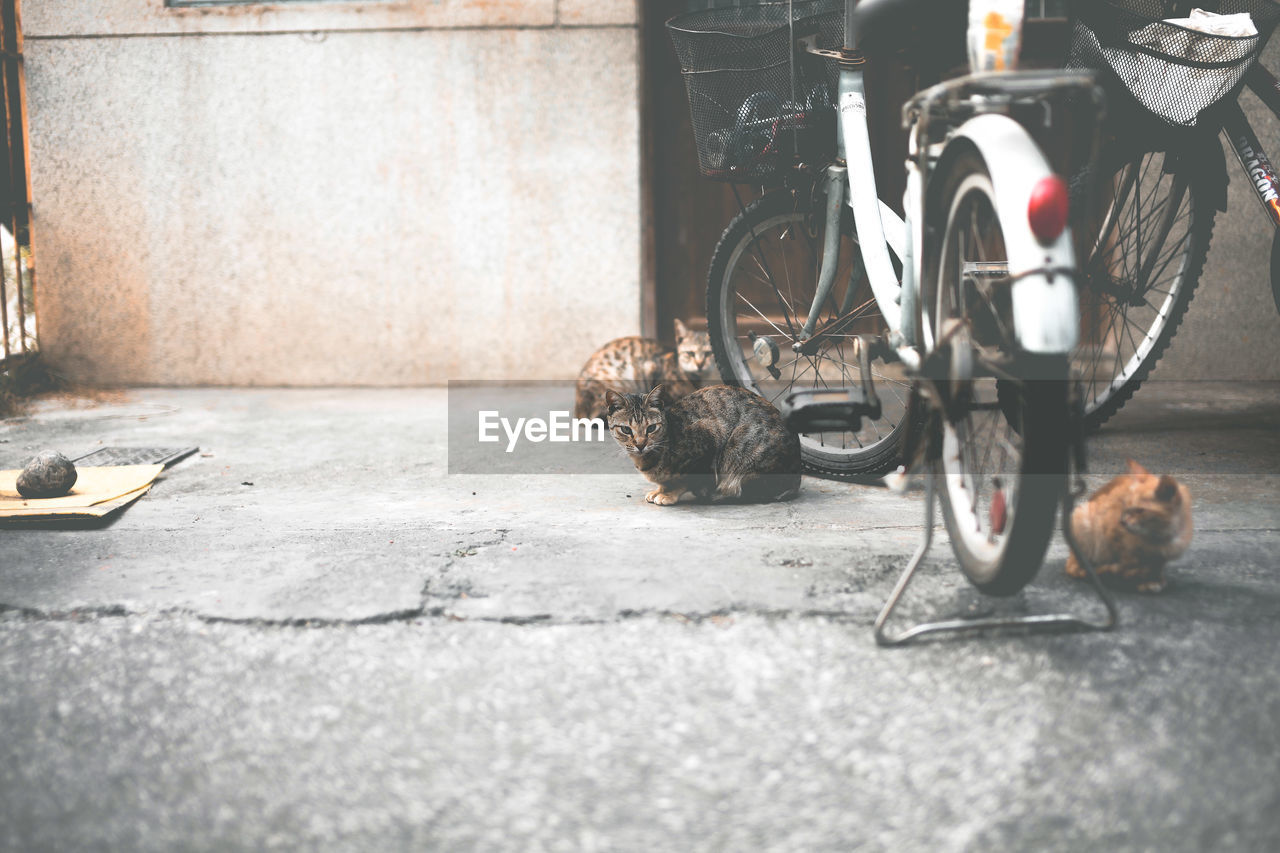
<point x="17" y="284"/>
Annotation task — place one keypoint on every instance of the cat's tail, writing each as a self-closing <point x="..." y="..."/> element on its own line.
<point x="761" y="488"/>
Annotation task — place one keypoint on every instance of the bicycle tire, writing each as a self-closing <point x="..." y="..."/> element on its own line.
<point x="1032" y="515"/>
<point x="753" y="237"/>
<point x="1103" y="294"/>
<point x="999" y="511"/>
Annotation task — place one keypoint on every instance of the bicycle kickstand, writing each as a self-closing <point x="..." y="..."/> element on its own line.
<point x="1036" y="624"/>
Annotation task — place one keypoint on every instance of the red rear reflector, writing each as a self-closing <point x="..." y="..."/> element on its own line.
<point x="1047" y="211"/>
<point x="999" y="511"/>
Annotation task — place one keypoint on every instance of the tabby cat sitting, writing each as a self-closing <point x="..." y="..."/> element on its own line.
<point x="636" y="365"/>
<point x="1131" y="527"/>
<point x="722" y="442"/>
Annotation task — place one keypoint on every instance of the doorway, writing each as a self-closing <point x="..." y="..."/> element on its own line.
<point x="17" y="275"/>
<point x="685" y="213"/>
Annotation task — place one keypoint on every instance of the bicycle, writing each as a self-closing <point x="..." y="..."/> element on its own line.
<point x="1165" y="176"/>
<point x="964" y="309"/>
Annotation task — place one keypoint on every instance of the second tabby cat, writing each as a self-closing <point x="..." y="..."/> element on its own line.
<point x="635" y="365"/>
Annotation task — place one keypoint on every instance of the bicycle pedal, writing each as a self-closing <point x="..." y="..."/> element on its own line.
<point x="828" y="410"/>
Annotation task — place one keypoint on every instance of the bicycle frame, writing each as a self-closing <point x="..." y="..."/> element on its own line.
<point x="1045" y="308"/>
<point x="1243" y="140"/>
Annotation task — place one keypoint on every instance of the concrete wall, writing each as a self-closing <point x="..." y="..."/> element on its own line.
<point x="363" y="193"/>
<point x="390" y="193"/>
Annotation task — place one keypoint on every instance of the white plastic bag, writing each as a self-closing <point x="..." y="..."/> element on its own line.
<point x="1239" y="24"/>
<point x="1179" y="92"/>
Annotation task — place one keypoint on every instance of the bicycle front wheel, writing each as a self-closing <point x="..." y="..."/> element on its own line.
<point x="1143" y="249"/>
<point x="1004" y="441"/>
<point x="762" y="284"/>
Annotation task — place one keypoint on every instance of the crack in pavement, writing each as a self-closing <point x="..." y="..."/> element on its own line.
<point x="719" y="616"/>
<point x="436" y="593"/>
<point x="458" y="588"/>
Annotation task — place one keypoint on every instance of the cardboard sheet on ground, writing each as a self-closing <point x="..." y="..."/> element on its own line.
<point x="95" y="488"/>
<point x="73" y="513"/>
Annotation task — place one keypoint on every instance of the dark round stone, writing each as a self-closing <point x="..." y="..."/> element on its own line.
<point x="49" y="475"/>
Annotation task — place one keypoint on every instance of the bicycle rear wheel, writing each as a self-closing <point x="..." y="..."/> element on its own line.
<point x="1004" y="440"/>
<point x="762" y="282"/>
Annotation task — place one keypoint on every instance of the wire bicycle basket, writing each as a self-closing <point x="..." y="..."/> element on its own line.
<point x="1173" y="72"/>
<point x="755" y="103"/>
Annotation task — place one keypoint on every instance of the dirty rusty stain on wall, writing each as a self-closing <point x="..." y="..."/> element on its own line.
<point x="370" y="194"/>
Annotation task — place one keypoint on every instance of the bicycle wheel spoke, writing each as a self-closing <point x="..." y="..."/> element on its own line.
<point x="761" y="315"/>
<point x="764" y="285"/>
<point x="763" y="265"/>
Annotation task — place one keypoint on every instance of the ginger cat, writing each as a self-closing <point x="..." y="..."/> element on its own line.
<point x="1131" y="527"/>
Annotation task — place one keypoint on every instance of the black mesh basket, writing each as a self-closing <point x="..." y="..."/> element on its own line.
<point x="754" y="105"/>
<point x="1172" y="72"/>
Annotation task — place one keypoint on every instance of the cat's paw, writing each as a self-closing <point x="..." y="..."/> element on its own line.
<point x="1151" y="586"/>
<point x="898" y="480"/>
<point x="661" y="498"/>
<point x="1074" y="569"/>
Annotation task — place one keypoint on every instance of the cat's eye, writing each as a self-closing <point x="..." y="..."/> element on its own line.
<point x="626" y="430"/>
<point x="651" y="428"/>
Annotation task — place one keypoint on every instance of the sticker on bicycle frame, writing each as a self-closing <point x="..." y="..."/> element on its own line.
<point x="1261" y="172"/>
<point x="853" y="102"/>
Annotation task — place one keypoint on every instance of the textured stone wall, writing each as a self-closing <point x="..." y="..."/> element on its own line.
<point x="391" y="193"/>
<point x="366" y="194"/>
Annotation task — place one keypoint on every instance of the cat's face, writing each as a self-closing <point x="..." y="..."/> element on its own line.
<point x="638" y="422"/>
<point x="693" y="349"/>
<point x="1156" y="510"/>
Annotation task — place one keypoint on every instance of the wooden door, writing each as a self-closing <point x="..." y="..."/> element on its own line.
<point x="685" y="212"/>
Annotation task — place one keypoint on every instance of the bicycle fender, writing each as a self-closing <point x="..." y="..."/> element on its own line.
<point x="1046" y="313"/>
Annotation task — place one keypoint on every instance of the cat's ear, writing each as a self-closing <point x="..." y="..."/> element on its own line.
<point x="682" y="331"/>
<point x="1166" y="489"/>
<point x="1137" y="470"/>
<point x="654" y="399"/>
<point x="613" y="400"/>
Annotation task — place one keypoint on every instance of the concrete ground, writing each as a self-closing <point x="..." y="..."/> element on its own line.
<point x="311" y="636"/>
